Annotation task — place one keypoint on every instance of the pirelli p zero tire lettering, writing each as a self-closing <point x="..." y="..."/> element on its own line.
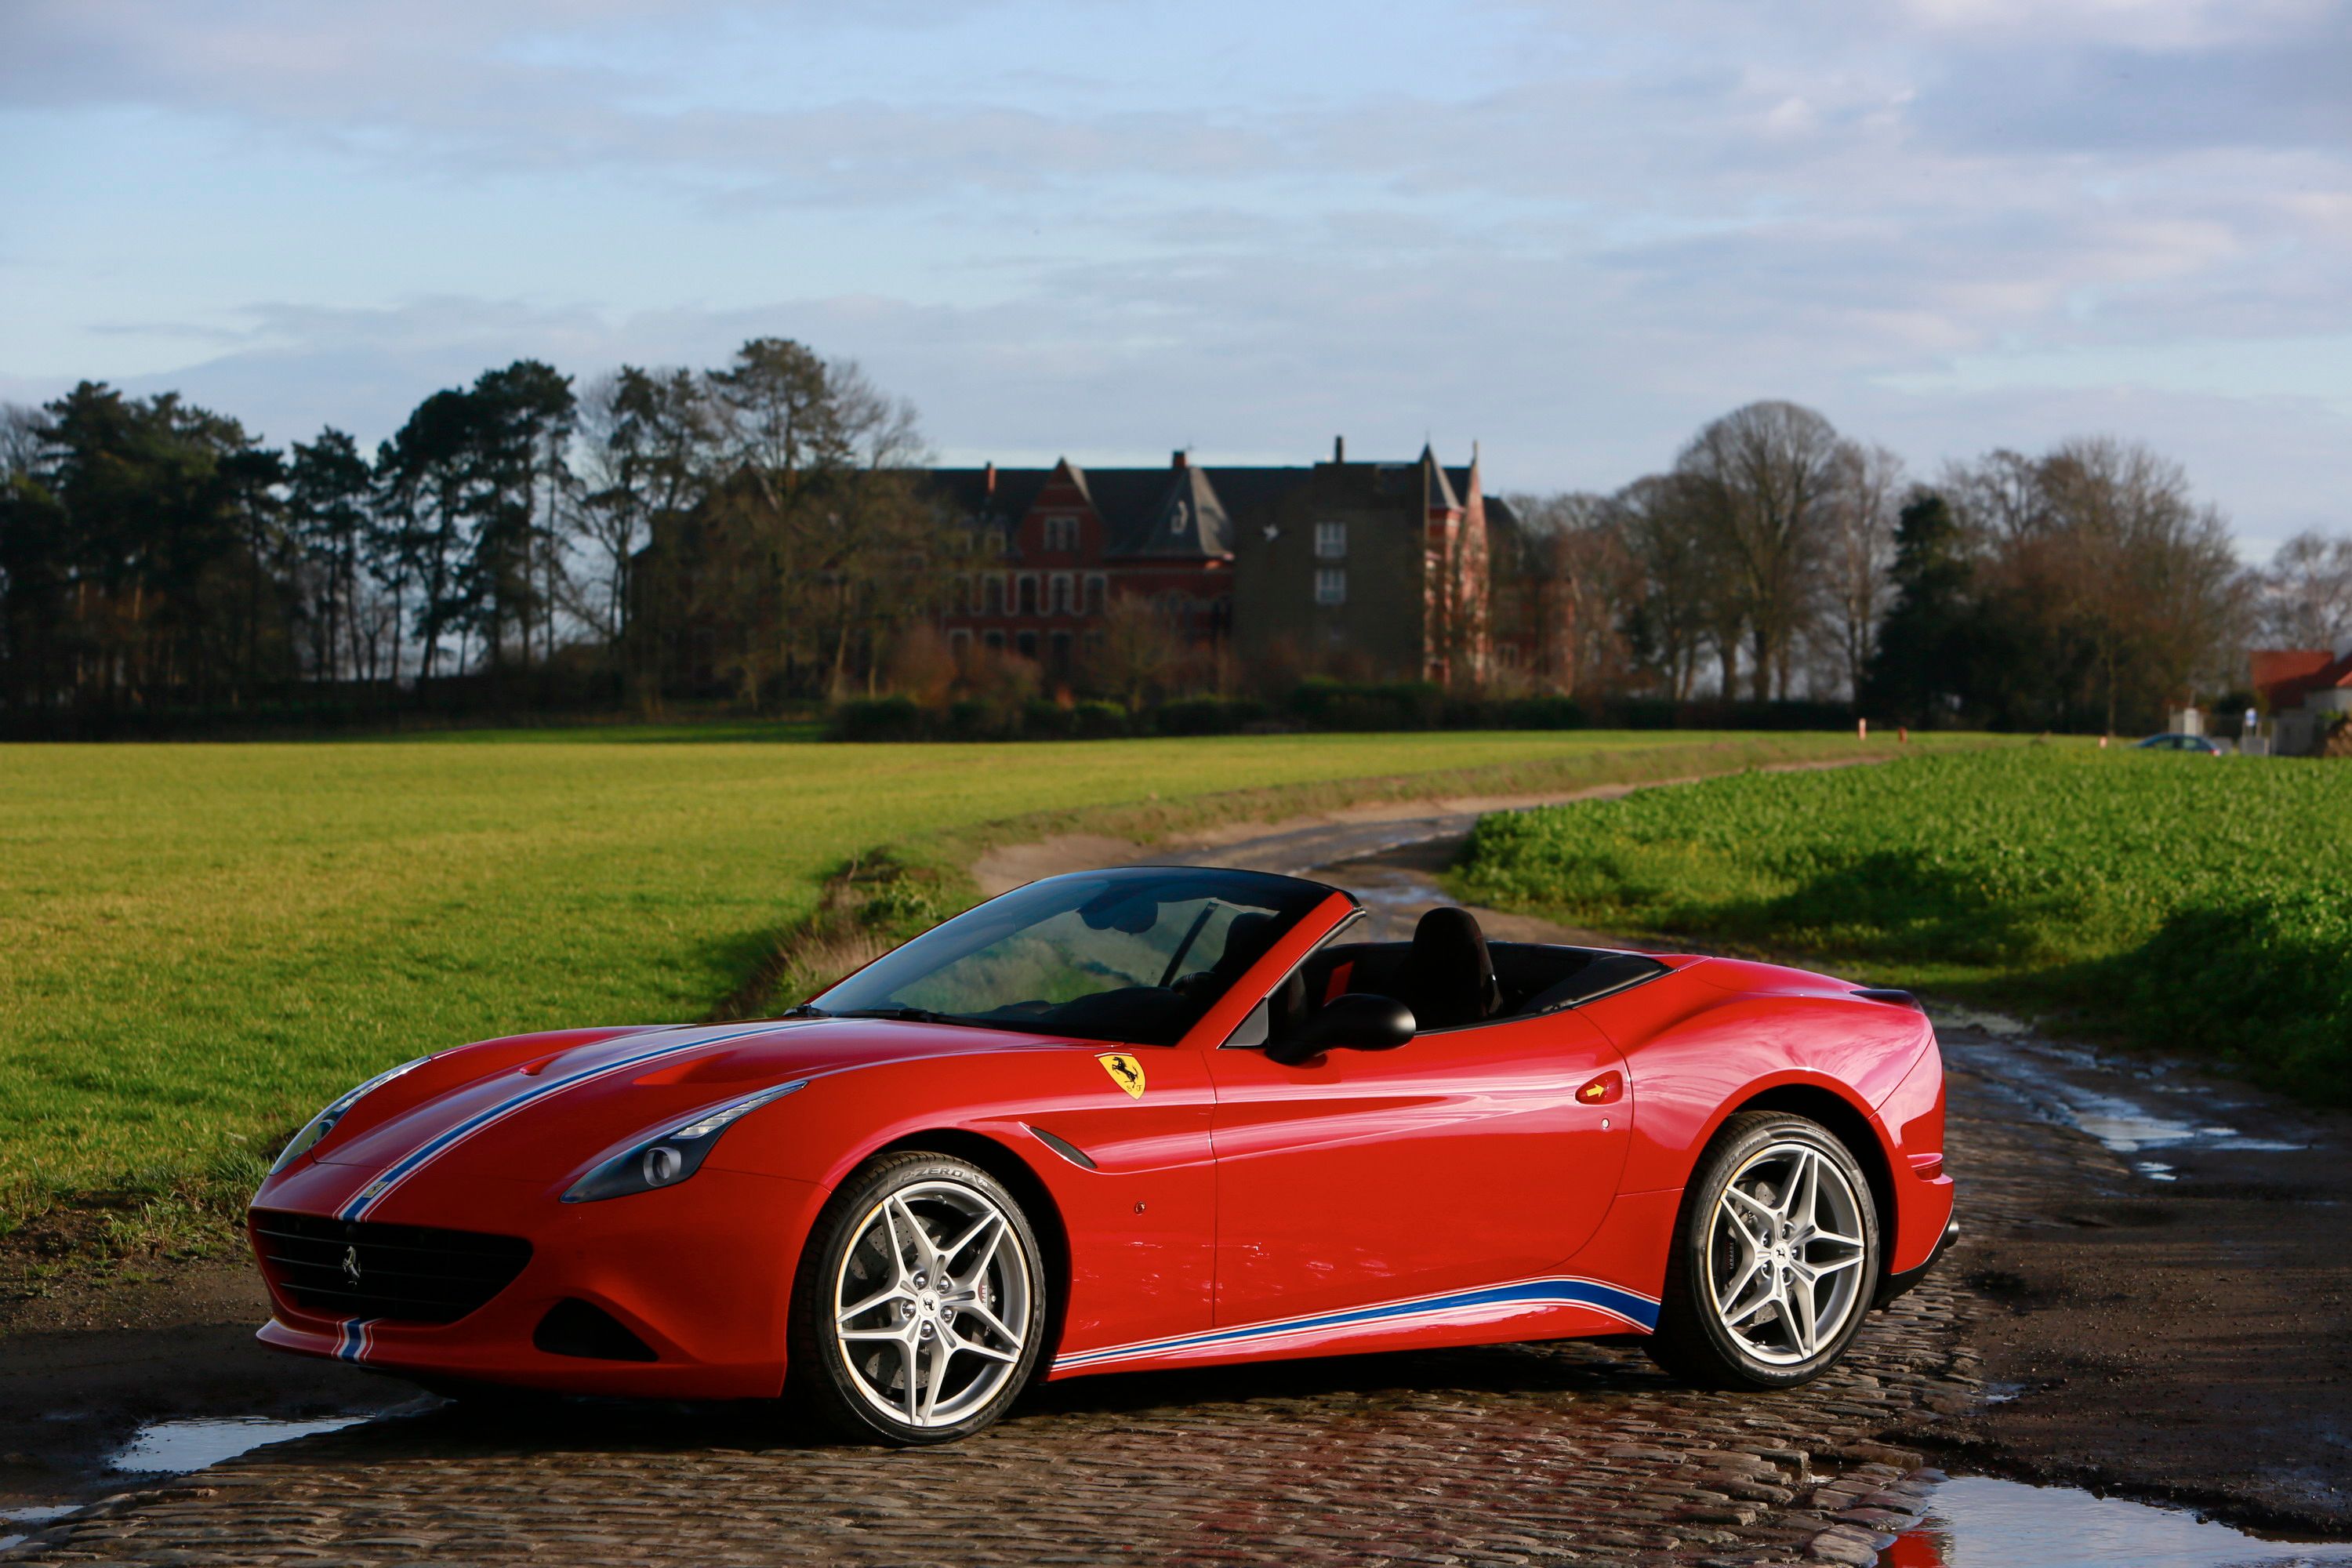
<point x="1775" y="1256"/>
<point x="919" y="1311"/>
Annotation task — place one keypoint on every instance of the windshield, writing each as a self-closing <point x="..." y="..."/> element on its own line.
<point x="1133" y="955"/>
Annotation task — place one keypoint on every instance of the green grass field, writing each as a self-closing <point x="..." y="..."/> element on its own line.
<point x="2199" y="905"/>
<point x="199" y="944"/>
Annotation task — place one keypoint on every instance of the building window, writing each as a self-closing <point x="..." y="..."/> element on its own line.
<point x="1061" y="534"/>
<point x="1331" y="586"/>
<point x="1028" y="580"/>
<point x="992" y="638"/>
<point x="1330" y="542"/>
<point x="1026" y="643"/>
<point x="1059" y="600"/>
<point x="992" y="593"/>
<point x="998" y="543"/>
<point x="960" y="641"/>
<point x="1059" y="644"/>
<point x="1097" y="591"/>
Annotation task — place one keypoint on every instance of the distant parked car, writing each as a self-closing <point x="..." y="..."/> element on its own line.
<point x="2183" y="744"/>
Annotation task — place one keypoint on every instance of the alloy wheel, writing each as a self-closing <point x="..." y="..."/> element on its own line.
<point x="1785" y="1253"/>
<point x="931" y="1303"/>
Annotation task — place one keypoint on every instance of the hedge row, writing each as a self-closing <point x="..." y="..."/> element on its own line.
<point x="1317" y="705"/>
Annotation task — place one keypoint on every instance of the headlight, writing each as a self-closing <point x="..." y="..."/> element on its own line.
<point x="324" y="1122"/>
<point x="668" y="1159"/>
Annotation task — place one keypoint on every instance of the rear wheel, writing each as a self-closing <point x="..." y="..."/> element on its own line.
<point x="919" y="1309"/>
<point x="1775" y="1256"/>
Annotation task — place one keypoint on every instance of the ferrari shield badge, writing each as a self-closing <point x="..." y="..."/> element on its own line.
<point x="1125" y="1071"/>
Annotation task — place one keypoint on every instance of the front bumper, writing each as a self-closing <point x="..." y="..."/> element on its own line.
<point x="701" y="1273"/>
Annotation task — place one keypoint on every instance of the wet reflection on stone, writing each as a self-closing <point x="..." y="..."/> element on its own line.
<point x="175" y="1447"/>
<point x="1978" y="1522"/>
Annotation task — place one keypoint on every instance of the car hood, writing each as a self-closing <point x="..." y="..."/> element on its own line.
<point x="541" y="1118"/>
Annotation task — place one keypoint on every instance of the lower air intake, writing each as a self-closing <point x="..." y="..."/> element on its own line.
<point x="577" y="1328"/>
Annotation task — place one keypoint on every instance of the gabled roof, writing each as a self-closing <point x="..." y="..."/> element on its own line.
<point x="2286" y="676"/>
<point x="1440" y="496"/>
<point x="1077" y="476"/>
<point x="1187" y="521"/>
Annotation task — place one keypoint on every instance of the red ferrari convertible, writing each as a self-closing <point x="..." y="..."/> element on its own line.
<point x="1131" y="1118"/>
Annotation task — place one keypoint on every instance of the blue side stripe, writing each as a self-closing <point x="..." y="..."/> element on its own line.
<point x="1627" y="1304"/>
<point x="401" y="1169"/>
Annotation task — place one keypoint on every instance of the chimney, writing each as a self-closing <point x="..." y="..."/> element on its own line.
<point x="1178" y="460"/>
<point x="991" y="478"/>
<point x="1339" y="448"/>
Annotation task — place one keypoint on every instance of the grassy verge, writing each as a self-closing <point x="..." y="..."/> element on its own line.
<point x="2194" y="904"/>
<point x="199" y="944"/>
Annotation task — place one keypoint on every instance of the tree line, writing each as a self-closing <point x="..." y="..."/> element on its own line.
<point x="2085" y="588"/>
<point x="154" y="555"/>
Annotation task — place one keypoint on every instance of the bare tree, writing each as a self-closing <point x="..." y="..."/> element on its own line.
<point x="2112" y="591"/>
<point x="1566" y="574"/>
<point x="1676" y="600"/>
<point x="20" y="438"/>
<point x="1766" y="476"/>
<point x="2306" y="593"/>
<point x="1863" y="510"/>
<point x="1142" y="649"/>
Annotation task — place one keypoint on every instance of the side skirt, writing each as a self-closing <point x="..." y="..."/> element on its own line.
<point x="1566" y="1307"/>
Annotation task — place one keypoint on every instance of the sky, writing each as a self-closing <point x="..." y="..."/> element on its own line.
<point x="1569" y="233"/>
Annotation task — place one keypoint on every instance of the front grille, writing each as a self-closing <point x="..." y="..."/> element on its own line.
<point x="405" y="1273"/>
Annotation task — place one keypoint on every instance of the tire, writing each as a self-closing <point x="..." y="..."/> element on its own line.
<point x="1769" y="1278"/>
<point x="875" y="1371"/>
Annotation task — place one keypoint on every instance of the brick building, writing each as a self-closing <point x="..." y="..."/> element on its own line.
<point x="1376" y="568"/>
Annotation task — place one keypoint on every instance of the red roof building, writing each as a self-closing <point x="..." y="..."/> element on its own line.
<point x="2286" y="678"/>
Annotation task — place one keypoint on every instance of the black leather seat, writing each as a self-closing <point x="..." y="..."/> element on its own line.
<point x="1448" y="978"/>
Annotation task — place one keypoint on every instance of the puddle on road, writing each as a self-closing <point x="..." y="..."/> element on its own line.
<point x="1974" y="1522"/>
<point x="175" y="1447"/>
<point x="43" y="1515"/>
<point x="2043" y="1076"/>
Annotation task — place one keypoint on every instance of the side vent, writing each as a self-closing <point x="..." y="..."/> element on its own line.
<point x="1064" y="1147"/>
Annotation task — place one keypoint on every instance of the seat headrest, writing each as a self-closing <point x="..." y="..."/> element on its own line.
<point x="1451" y="976"/>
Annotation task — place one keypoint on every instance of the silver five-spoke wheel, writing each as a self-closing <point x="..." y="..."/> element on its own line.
<point x="1785" y="1253"/>
<point x="920" y="1308"/>
<point x="1775" y="1256"/>
<point x="931" y="1302"/>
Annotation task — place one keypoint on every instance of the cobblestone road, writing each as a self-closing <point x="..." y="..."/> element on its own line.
<point x="1568" y="1453"/>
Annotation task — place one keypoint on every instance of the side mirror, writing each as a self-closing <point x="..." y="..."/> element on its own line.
<point x="1357" y="1021"/>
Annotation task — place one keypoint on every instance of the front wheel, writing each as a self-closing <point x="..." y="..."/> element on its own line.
<point x="920" y="1308"/>
<point x="1775" y="1258"/>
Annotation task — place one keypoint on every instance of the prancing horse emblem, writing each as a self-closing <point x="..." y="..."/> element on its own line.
<point x="1125" y="1071"/>
<point x="351" y="1264"/>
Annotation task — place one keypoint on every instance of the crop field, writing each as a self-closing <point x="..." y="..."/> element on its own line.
<point x="200" y="944"/>
<point x="2198" y="904"/>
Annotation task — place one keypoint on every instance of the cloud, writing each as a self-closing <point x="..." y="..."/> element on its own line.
<point x="1573" y="230"/>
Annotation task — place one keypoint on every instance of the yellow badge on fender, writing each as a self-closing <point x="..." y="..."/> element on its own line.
<point x="1125" y="1071"/>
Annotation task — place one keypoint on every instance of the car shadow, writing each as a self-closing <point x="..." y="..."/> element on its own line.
<point x="518" y="1424"/>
